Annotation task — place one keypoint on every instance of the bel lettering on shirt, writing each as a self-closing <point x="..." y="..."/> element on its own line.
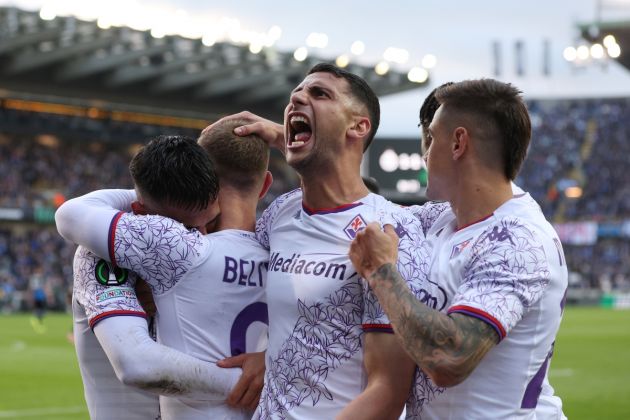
<point x="243" y="272"/>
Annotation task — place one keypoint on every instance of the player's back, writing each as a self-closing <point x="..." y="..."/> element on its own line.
<point x="216" y="310"/>
<point x="106" y="397"/>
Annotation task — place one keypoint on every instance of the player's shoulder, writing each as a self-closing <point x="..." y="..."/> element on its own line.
<point x="155" y="231"/>
<point x="522" y="213"/>
<point x="153" y="223"/>
<point x="287" y="198"/>
<point x="282" y="205"/>
<point x="430" y="213"/>
<point x="388" y="212"/>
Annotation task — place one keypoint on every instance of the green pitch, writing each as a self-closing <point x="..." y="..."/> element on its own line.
<point x="39" y="376"/>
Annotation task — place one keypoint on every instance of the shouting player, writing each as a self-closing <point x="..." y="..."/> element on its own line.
<point x="496" y="263"/>
<point x="331" y="352"/>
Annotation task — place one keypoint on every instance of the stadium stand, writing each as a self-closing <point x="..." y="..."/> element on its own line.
<point x="46" y="158"/>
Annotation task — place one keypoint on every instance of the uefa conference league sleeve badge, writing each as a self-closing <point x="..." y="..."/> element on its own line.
<point x="108" y="274"/>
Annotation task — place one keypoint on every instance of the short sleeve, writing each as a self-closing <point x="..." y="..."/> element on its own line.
<point x="506" y="273"/>
<point x="102" y="289"/>
<point x="159" y="249"/>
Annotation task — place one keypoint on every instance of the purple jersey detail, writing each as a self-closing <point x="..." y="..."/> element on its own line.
<point x="506" y="272"/>
<point x="428" y="213"/>
<point x="253" y="312"/>
<point x="111" y="235"/>
<point x="475" y="313"/>
<point x="159" y="249"/>
<point x="106" y="315"/>
<point x="356" y="225"/>
<point x="534" y="387"/>
<point x="377" y="328"/>
<point x="326" y="334"/>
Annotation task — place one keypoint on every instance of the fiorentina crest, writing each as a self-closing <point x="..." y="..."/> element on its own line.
<point x="356" y="224"/>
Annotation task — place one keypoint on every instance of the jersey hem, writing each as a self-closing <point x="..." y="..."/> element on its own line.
<point x="98" y="318"/>
<point x="479" y="314"/>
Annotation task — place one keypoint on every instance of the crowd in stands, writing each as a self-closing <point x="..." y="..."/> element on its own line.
<point x="577" y="143"/>
<point x="43" y="170"/>
<point x="582" y="143"/>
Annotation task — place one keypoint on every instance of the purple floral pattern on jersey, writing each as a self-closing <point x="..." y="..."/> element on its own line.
<point x="326" y="334"/>
<point x="159" y="249"/>
<point x="507" y="271"/>
<point x="264" y="223"/>
<point x="429" y="212"/>
<point x="422" y="392"/>
<point x="413" y="265"/>
<point x="87" y="289"/>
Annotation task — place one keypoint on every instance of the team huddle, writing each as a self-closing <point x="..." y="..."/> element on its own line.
<point x="335" y="303"/>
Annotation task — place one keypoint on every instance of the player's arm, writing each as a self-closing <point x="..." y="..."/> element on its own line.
<point x="389" y="378"/>
<point x="159" y="249"/>
<point x="86" y="220"/>
<point x="141" y="362"/>
<point x="269" y="131"/>
<point x="446" y="347"/>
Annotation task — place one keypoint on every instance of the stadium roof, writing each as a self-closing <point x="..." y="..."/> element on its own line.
<point x="77" y="62"/>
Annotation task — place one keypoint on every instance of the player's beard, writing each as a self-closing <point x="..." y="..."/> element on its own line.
<point x="315" y="161"/>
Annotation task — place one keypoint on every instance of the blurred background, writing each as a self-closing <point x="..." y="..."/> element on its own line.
<point x="84" y="84"/>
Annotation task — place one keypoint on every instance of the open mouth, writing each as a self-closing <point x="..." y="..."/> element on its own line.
<point x="299" y="131"/>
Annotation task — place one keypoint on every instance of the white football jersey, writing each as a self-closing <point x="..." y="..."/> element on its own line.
<point x="209" y="293"/>
<point x="319" y="307"/>
<point x="509" y="271"/>
<point x="101" y="291"/>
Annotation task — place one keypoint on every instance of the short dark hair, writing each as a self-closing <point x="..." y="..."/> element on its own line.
<point x="240" y="161"/>
<point x="175" y="170"/>
<point x="427" y="112"/>
<point x="499" y="112"/>
<point x="360" y="90"/>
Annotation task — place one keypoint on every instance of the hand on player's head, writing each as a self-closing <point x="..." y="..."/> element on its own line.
<point x="269" y="131"/>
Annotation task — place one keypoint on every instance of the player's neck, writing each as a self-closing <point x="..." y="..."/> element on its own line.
<point x="237" y="211"/>
<point x="478" y="197"/>
<point x="332" y="191"/>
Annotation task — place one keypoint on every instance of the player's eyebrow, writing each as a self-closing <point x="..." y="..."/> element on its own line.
<point x="319" y="88"/>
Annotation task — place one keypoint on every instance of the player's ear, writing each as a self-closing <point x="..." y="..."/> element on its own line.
<point x="266" y="184"/>
<point x="460" y="143"/>
<point x="360" y="128"/>
<point x="138" y="208"/>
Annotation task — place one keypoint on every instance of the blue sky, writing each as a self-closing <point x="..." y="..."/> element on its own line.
<point x="459" y="33"/>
